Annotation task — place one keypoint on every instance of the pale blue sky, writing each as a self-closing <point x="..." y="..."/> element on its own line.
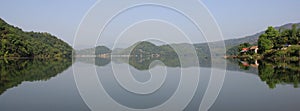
<point x="236" y="18"/>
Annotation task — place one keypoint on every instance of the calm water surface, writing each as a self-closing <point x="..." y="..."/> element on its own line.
<point x="31" y="85"/>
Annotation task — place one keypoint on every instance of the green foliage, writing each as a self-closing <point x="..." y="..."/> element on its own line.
<point x="294" y="37"/>
<point x="244" y="45"/>
<point x="274" y="39"/>
<point x="102" y="50"/>
<point x="271" y="33"/>
<point x="144" y="48"/>
<point x="17" y="43"/>
<point x="264" y="43"/>
<point x="94" y="51"/>
<point x="233" y="50"/>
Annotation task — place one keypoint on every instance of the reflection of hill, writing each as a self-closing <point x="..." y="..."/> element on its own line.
<point x="279" y="73"/>
<point x="14" y="72"/>
<point x="94" y="60"/>
<point x="144" y="62"/>
<point x="272" y="73"/>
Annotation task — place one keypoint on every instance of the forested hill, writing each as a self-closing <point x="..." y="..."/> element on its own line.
<point x="233" y="44"/>
<point x="252" y="39"/>
<point x="17" y="43"/>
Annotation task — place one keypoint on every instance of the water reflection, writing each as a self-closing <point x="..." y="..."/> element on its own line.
<point x="274" y="73"/>
<point x="279" y="73"/>
<point x="143" y="63"/>
<point x="14" y="72"/>
<point x="284" y="73"/>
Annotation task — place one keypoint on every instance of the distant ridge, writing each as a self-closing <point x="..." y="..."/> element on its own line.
<point x="252" y="39"/>
<point x="202" y="49"/>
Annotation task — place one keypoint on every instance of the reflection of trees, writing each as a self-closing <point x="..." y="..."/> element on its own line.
<point x="273" y="73"/>
<point x="144" y="63"/>
<point x="102" y="61"/>
<point x="94" y="60"/>
<point x="279" y="73"/>
<point x="14" y="72"/>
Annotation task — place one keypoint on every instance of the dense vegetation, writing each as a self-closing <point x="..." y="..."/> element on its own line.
<point x="233" y="45"/>
<point x="94" y="51"/>
<point x="280" y="44"/>
<point x="274" y="44"/>
<point x="14" y="72"/>
<point x="278" y="55"/>
<point x="17" y="43"/>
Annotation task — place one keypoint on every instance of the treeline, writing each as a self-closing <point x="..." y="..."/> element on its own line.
<point x="282" y="44"/>
<point x="274" y="44"/>
<point x="17" y="43"/>
<point x="276" y="39"/>
<point x="94" y="51"/>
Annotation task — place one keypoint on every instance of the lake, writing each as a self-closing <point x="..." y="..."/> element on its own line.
<point x="34" y="85"/>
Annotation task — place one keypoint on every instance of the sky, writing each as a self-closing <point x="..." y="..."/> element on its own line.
<point x="236" y="18"/>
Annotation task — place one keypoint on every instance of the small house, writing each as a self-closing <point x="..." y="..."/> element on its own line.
<point x="254" y="48"/>
<point x="244" y="50"/>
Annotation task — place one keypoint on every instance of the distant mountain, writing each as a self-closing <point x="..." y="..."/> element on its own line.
<point x="142" y="47"/>
<point x="202" y="49"/>
<point x="252" y="39"/>
<point x="94" y="51"/>
<point x="232" y="44"/>
<point x="17" y="43"/>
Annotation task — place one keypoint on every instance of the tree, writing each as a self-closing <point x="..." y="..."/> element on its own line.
<point x="298" y="35"/>
<point x="244" y="45"/>
<point x="264" y="43"/>
<point x="272" y="33"/>
<point x="294" y="38"/>
<point x="17" y="43"/>
<point x="284" y="37"/>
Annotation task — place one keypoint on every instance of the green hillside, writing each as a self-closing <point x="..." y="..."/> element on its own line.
<point x="17" y="43"/>
<point x="94" y="51"/>
<point x="233" y="44"/>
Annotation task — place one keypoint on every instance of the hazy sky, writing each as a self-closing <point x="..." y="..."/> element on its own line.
<point x="236" y="18"/>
